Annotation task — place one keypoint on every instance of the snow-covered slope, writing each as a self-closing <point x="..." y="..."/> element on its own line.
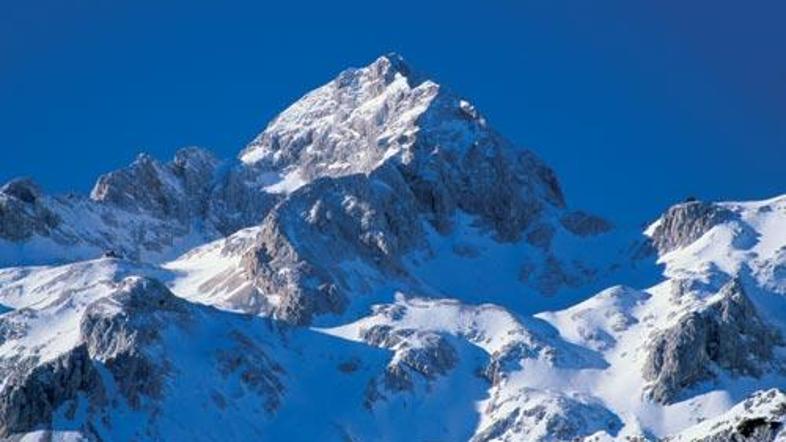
<point x="380" y="264"/>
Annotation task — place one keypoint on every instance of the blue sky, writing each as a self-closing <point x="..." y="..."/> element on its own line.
<point x="635" y="104"/>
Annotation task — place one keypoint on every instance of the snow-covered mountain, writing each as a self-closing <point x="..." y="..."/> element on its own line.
<point x="380" y="264"/>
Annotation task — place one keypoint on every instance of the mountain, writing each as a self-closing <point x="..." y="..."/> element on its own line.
<point x="380" y="264"/>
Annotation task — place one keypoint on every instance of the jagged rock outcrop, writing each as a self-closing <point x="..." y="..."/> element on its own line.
<point x="334" y="130"/>
<point x="727" y="334"/>
<point x="196" y="170"/>
<point x="21" y="213"/>
<point x="443" y="147"/>
<point x="425" y="353"/>
<point x="122" y="349"/>
<point x="585" y="224"/>
<point x="117" y="330"/>
<point x="539" y="416"/>
<point x="31" y="394"/>
<point x="23" y="189"/>
<point x="178" y="189"/>
<point x="760" y="418"/>
<point x="684" y="223"/>
<point x="303" y="242"/>
<point x="510" y="357"/>
<point x="254" y="369"/>
<point x="236" y="200"/>
<point x="114" y="334"/>
<point x="142" y="210"/>
<point x="403" y="150"/>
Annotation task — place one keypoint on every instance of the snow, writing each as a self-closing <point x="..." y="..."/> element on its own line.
<point x="208" y="274"/>
<point x="351" y="125"/>
<point x="767" y="405"/>
<point x="483" y="269"/>
<point x="287" y="184"/>
<point x="598" y="340"/>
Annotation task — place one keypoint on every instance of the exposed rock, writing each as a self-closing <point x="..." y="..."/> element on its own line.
<point x="30" y="397"/>
<point x="175" y="190"/>
<point x="143" y="209"/>
<point x="425" y="353"/>
<point x="499" y="427"/>
<point x="553" y="276"/>
<point x="122" y="357"/>
<point x="538" y="416"/>
<point x="354" y="191"/>
<point x="584" y="224"/>
<point x="111" y="254"/>
<point x="727" y="334"/>
<point x="13" y="326"/>
<point x="21" y="212"/>
<point x="237" y="201"/>
<point x="390" y="148"/>
<point x="513" y="354"/>
<point x="254" y="369"/>
<point x="23" y="189"/>
<point x="303" y="241"/>
<point x="330" y="127"/>
<point x="508" y="359"/>
<point x="144" y="185"/>
<point x="760" y="418"/>
<point x="195" y="168"/>
<point x="540" y="236"/>
<point x="118" y="328"/>
<point x="447" y="154"/>
<point x="685" y="223"/>
<point x="475" y="170"/>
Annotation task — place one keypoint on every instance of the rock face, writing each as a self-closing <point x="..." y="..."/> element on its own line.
<point x="143" y="210"/>
<point x="21" y="213"/>
<point x="178" y="189"/>
<point x="727" y="335"/>
<point x="684" y="223"/>
<point x="760" y="418"/>
<point x="540" y="417"/>
<point x="30" y="396"/>
<point x="117" y="329"/>
<point x="254" y="369"/>
<point x="336" y="127"/>
<point x="442" y="146"/>
<point x="585" y="224"/>
<point x="236" y="201"/>
<point x="22" y="189"/>
<point x="304" y="240"/>
<point x="426" y="354"/>
<point x="126" y="352"/>
<point x="114" y="334"/>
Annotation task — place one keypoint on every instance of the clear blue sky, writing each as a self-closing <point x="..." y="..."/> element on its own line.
<point x="635" y="104"/>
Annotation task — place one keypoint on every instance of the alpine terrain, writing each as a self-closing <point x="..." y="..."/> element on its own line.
<point x="379" y="264"/>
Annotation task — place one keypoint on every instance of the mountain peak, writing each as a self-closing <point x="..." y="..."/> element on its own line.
<point x="395" y="59"/>
<point x="345" y="118"/>
<point x="23" y="188"/>
<point x="391" y="64"/>
<point x="385" y="69"/>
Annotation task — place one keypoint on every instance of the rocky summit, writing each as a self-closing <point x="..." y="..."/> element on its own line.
<point x="380" y="264"/>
